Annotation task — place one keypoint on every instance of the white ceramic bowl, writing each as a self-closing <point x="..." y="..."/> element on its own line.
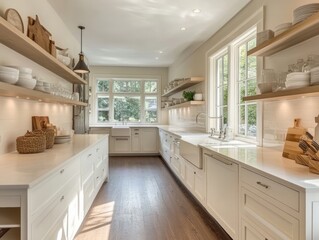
<point x="24" y="70"/>
<point x="27" y="82"/>
<point x="4" y="69"/>
<point x="11" y="78"/>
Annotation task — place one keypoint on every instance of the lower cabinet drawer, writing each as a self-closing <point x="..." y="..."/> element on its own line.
<point x="250" y="232"/>
<point x="277" y="191"/>
<point x="88" y="193"/>
<point x="274" y="221"/>
<point x="63" y="207"/>
<point x="46" y="190"/>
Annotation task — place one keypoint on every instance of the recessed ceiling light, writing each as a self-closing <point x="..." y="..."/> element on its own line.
<point x="197" y="10"/>
<point x="157" y="58"/>
<point x="161" y="52"/>
<point x="183" y="28"/>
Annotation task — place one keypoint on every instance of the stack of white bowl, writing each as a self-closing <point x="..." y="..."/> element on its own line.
<point x="9" y="75"/>
<point x="282" y="28"/>
<point x="305" y="11"/>
<point x="314" y="76"/>
<point x="25" y="78"/>
<point x="297" y="80"/>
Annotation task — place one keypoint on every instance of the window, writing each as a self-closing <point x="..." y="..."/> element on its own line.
<point x="124" y="99"/>
<point x="246" y="85"/>
<point x="222" y="78"/>
<point x="233" y="76"/>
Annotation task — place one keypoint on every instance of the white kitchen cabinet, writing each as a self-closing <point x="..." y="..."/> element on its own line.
<point x="222" y="192"/>
<point x="195" y="181"/>
<point x="250" y="232"/>
<point x="120" y="144"/>
<point x="144" y="140"/>
<point x="176" y="165"/>
<point x="270" y="205"/>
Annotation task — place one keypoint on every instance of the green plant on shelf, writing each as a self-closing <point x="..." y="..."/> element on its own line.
<point x="189" y="95"/>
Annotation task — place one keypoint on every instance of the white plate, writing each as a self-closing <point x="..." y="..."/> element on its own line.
<point x="26" y="82"/>
<point x="22" y="69"/>
<point x="62" y="140"/>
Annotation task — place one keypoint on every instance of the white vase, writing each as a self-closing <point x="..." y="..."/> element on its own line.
<point x="198" y="97"/>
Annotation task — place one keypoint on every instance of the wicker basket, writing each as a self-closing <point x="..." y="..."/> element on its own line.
<point x="31" y="143"/>
<point x="49" y="135"/>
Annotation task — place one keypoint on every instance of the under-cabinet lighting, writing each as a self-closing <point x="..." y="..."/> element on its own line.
<point x="197" y="10"/>
<point x="40" y="100"/>
<point x="17" y="97"/>
<point x="27" y="98"/>
<point x="183" y="28"/>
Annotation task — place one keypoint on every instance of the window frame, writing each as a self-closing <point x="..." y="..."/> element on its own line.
<point x="93" y="108"/>
<point x="233" y="111"/>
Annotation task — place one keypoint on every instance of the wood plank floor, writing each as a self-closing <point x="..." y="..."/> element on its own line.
<point x="142" y="201"/>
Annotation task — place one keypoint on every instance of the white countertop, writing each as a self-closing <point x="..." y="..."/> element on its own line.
<point x="25" y="170"/>
<point x="270" y="162"/>
<point x="267" y="161"/>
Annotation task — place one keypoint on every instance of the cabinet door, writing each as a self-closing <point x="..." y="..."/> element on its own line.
<point x="183" y="169"/>
<point x="248" y="232"/>
<point x="148" y="138"/>
<point x="200" y="186"/>
<point x="121" y="144"/>
<point x="222" y="193"/>
<point x="135" y="140"/>
<point x="189" y="176"/>
<point x="176" y="166"/>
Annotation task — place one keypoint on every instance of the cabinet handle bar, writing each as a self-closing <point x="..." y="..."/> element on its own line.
<point x="262" y="184"/>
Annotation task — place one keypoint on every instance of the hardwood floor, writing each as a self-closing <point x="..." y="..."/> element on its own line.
<point x="142" y="201"/>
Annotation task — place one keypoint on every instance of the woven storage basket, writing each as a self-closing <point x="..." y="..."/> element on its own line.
<point x="31" y="144"/>
<point x="50" y="135"/>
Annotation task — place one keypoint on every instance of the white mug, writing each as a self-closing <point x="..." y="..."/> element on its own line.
<point x="198" y="97"/>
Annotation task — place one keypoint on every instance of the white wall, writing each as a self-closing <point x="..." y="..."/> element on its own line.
<point x="160" y="72"/>
<point x="15" y="116"/>
<point x="277" y="115"/>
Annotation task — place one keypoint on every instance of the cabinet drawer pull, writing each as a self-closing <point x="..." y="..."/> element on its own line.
<point x="219" y="160"/>
<point x="194" y="172"/>
<point x="62" y="171"/>
<point x="62" y="198"/>
<point x="98" y="149"/>
<point x="263" y="185"/>
<point x="136" y="133"/>
<point x="90" y="155"/>
<point x="121" y="139"/>
<point x="97" y="177"/>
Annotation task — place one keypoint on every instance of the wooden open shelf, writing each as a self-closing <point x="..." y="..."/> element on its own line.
<point x="19" y="42"/>
<point x="10" y="217"/>
<point x="12" y="234"/>
<point x="8" y="90"/>
<point x="186" y="84"/>
<point x="286" y="94"/>
<point x="186" y="104"/>
<point x="296" y="34"/>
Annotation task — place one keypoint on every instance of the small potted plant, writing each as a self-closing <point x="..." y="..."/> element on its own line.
<point x="189" y="95"/>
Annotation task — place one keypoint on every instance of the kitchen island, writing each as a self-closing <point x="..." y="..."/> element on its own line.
<point x="46" y="195"/>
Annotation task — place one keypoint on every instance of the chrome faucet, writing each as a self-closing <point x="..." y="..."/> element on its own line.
<point x="198" y="116"/>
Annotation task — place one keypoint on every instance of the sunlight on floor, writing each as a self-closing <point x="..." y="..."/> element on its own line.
<point x="98" y="222"/>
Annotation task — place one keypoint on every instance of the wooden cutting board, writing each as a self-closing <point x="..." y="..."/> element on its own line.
<point x="39" y="122"/>
<point x="291" y="148"/>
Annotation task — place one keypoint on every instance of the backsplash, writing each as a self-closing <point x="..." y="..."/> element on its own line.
<point x="185" y="117"/>
<point x="279" y="116"/>
<point x="15" y="119"/>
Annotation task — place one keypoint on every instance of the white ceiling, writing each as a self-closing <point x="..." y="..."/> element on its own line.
<point x="133" y="32"/>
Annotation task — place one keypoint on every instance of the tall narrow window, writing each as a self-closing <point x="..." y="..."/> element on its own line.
<point x="103" y="104"/>
<point x="222" y="84"/>
<point x="246" y="87"/>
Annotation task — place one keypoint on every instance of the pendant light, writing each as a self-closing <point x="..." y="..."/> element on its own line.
<point x="81" y="67"/>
